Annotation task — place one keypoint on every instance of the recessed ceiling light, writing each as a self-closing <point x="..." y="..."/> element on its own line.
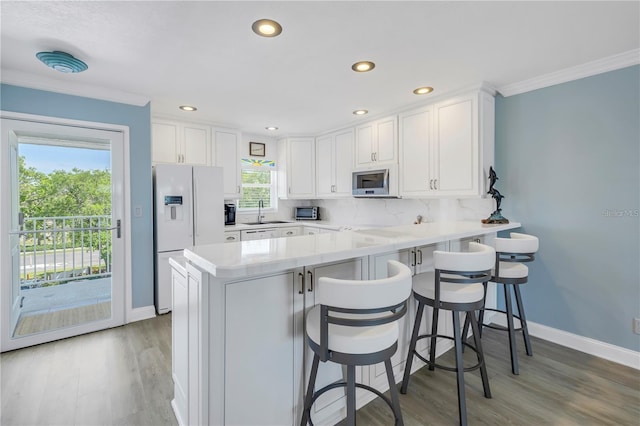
<point x="271" y="128"/>
<point x="363" y="66"/>
<point x="423" y="90"/>
<point x="188" y="108"/>
<point x="360" y="112"/>
<point x="266" y="28"/>
<point x="61" y="61"/>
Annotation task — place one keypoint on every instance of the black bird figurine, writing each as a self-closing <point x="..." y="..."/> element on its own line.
<point x="496" y="216"/>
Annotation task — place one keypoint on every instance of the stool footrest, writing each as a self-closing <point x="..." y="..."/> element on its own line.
<point x="446" y="367"/>
<point x="499" y="327"/>
<point x="327" y="388"/>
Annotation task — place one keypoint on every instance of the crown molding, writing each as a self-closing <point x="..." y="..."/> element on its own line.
<point x="32" y="81"/>
<point x="610" y="63"/>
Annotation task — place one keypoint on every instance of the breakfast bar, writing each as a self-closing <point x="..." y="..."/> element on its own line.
<point x="239" y="355"/>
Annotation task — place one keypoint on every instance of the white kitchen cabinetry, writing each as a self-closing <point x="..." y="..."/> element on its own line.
<point x="312" y="230"/>
<point x="296" y="168"/>
<point x="263" y="344"/>
<point x="225" y="142"/>
<point x="180" y="341"/>
<point x="180" y="143"/>
<point x="377" y="143"/>
<point x="334" y="164"/>
<point x="446" y="148"/>
<point x="231" y="236"/>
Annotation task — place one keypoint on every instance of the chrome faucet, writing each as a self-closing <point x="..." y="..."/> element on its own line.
<point x="260" y="207"/>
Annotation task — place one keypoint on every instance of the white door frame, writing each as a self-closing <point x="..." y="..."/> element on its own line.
<point x="6" y="342"/>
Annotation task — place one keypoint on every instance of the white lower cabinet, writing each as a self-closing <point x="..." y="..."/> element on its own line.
<point x="263" y="333"/>
<point x="180" y="342"/>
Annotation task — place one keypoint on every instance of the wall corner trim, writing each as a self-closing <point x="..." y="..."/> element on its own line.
<point x="587" y="345"/>
<point x="139" y="314"/>
<point x="610" y="63"/>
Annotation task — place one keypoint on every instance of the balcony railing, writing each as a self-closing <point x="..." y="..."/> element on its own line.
<point x="57" y="250"/>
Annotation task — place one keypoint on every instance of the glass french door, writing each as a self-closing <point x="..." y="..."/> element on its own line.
<point x="62" y="246"/>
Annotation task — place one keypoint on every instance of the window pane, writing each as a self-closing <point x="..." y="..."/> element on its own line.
<point x="251" y="195"/>
<point x="256" y="176"/>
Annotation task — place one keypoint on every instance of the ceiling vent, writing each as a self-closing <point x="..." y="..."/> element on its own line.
<point x="61" y="61"/>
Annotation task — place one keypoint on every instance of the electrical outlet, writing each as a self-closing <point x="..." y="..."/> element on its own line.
<point x="636" y="325"/>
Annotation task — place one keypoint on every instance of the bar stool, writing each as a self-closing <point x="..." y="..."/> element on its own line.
<point x="456" y="285"/>
<point x="511" y="253"/>
<point x="356" y="323"/>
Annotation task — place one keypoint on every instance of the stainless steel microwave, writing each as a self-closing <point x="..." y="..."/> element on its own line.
<point x="373" y="183"/>
<point x="307" y="213"/>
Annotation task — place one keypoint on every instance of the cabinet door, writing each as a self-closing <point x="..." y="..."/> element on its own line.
<point x="196" y="145"/>
<point x="456" y="148"/>
<point x="365" y="135"/>
<point x="226" y="156"/>
<point x="387" y="140"/>
<point x="180" y="344"/>
<point x="331" y="406"/>
<point x="415" y="150"/>
<point x="301" y="168"/>
<point x="343" y="162"/>
<point x="260" y="342"/>
<point x="325" y="166"/>
<point x="164" y="142"/>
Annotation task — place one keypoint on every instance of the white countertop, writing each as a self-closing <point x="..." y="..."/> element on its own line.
<point x="245" y="258"/>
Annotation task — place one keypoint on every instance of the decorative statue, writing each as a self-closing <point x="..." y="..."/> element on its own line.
<point x="496" y="216"/>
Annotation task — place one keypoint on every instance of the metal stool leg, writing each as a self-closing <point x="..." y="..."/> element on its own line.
<point x="462" y="406"/>
<point x="434" y="332"/>
<point x="512" y="337"/>
<point x="412" y="348"/>
<point x="483" y="365"/>
<point x="351" y="395"/>
<point x="393" y="392"/>
<point x="481" y="314"/>
<point x="309" y="395"/>
<point x="523" y="321"/>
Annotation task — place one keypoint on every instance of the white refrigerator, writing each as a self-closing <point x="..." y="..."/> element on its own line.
<point x="188" y="211"/>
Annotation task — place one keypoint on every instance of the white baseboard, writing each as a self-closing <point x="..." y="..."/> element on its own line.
<point x="139" y="314"/>
<point x="580" y="343"/>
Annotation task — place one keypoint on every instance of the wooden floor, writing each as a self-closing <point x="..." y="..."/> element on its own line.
<point x="122" y="376"/>
<point x="30" y="324"/>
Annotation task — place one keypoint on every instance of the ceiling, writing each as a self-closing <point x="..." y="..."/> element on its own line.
<point x="204" y="53"/>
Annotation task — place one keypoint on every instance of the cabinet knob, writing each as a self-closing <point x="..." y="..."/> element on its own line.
<point x="435" y="184"/>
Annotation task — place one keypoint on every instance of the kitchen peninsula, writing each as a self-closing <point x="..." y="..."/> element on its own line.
<point x="239" y="351"/>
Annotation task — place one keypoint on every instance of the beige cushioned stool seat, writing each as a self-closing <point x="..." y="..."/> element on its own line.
<point x="424" y="285"/>
<point x="512" y="270"/>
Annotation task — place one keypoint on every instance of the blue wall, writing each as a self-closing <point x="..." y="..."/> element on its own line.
<point x="568" y="160"/>
<point x="138" y="119"/>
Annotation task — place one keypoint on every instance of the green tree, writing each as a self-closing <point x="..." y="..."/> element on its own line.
<point x="68" y="193"/>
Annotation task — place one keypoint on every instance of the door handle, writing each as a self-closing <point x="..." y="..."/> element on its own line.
<point x="310" y="289"/>
<point x="413" y="258"/>
<point x="118" y="228"/>
<point x="301" y="277"/>
<point x="420" y="253"/>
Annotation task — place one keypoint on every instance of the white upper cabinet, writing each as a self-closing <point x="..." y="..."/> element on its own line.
<point x="416" y="134"/>
<point x="446" y="148"/>
<point x="377" y="143"/>
<point x="334" y="163"/>
<point x="296" y="168"/>
<point x="225" y="142"/>
<point x="180" y="143"/>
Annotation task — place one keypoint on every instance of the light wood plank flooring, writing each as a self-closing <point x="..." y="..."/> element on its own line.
<point x="122" y="376"/>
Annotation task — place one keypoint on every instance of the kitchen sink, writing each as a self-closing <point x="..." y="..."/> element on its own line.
<point x="266" y="222"/>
